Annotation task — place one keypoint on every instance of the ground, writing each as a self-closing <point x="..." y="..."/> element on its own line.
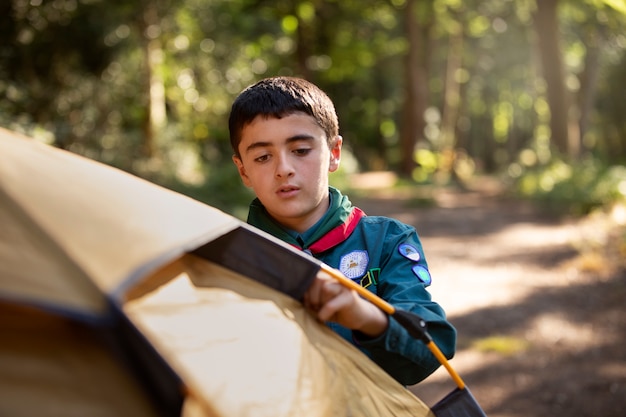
<point x="538" y="305"/>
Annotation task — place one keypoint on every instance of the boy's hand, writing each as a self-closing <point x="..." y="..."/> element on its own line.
<point x="328" y="300"/>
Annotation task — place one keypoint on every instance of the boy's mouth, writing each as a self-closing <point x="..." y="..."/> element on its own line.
<point x="287" y="190"/>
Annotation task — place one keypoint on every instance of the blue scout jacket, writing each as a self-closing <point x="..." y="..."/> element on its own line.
<point x="386" y="257"/>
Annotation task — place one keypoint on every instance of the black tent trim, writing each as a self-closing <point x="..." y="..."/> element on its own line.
<point x="264" y="258"/>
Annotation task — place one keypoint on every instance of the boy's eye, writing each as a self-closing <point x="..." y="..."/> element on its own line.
<point x="302" y="151"/>
<point x="262" y="158"/>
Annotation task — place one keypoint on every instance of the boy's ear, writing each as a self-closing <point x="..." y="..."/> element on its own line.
<point x="335" y="154"/>
<point x="241" y="170"/>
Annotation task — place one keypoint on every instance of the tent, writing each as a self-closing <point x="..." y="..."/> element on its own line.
<point x="119" y="297"/>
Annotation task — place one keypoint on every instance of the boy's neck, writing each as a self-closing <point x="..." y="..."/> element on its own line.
<point x="310" y="224"/>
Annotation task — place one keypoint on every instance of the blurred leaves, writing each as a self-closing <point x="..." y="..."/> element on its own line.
<point x="146" y="86"/>
<point x="578" y="189"/>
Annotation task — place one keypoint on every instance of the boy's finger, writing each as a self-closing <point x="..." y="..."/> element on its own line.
<point x="334" y="305"/>
<point x="330" y="289"/>
<point x="313" y="297"/>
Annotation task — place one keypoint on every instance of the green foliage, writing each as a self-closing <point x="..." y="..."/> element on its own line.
<point x="90" y="75"/>
<point x="222" y="189"/>
<point x="575" y="188"/>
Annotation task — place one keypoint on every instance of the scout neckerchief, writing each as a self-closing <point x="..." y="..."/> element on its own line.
<point x="335" y="227"/>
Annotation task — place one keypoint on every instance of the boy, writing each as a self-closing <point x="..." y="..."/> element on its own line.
<point x="285" y="135"/>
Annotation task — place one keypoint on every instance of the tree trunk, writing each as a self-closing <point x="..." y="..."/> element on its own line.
<point x="589" y="81"/>
<point x="452" y="99"/>
<point x="302" y="51"/>
<point x="416" y="86"/>
<point x="547" y="29"/>
<point x="155" y="115"/>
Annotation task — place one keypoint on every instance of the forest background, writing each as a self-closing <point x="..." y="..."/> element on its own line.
<point x="447" y="100"/>
<point x="438" y="92"/>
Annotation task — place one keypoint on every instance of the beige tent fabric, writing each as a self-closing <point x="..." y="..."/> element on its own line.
<point x="53" y="367"/>
<point x="72" y="227"/>
<point x="74" y="233"/>
<point x="252" y="351"/>
<point x="34" y="267"/>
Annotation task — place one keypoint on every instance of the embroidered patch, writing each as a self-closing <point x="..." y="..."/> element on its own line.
<point x="409" y="252"/>
<point x="371" y="278"/>
<point x="366" y="281"/>
<point x="354" y="264"/>
<point x="423" y="274"/>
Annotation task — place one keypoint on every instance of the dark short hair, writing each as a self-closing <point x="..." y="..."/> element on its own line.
<point x="279" y="97"/>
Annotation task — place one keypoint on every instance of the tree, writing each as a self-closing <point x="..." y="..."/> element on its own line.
<point x="417" y="25"/>
<point x="548" y="43"/>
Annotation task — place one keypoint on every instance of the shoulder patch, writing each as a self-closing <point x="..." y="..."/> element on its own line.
<point x="422" y="274"/>
<point x="409" y="252"/>
<point x="354" y="264"/>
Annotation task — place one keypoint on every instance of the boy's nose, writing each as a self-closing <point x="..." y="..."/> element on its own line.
<point x="284" y="167"/>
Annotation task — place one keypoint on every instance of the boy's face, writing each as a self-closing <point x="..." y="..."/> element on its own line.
<point x="286" y="163"/>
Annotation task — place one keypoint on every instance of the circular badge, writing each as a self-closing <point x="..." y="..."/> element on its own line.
<point x="422" y="274"/>
<point x="354" y="264"/>
<point x="409" y="252"/>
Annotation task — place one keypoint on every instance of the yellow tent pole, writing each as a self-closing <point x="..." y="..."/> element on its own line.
<point x="391" y="310"/>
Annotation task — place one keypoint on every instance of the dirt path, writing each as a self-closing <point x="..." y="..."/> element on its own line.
<point x="537" y="335"/>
